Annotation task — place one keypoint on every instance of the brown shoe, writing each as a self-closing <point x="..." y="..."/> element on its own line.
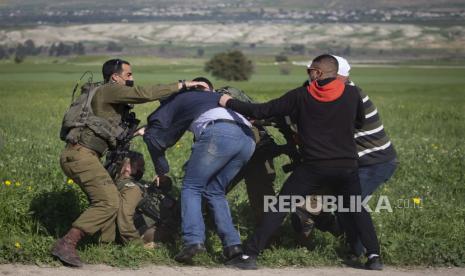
<point x="65" y="248"/>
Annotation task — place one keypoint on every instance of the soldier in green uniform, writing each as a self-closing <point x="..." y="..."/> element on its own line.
<point x="131" y="194"/>
<point x="147" y="211"/>
<point x="89" y="140"/>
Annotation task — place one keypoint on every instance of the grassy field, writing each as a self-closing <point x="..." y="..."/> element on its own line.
<point x="423" y="111"/>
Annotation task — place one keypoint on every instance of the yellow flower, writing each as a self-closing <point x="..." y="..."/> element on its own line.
<point x="70" y="181"/>
<point x="416" y="200"/>
<point x="7" y="182"/>
<point x="17" y="245"/>
<point x="17" y="184"/>
<point x="29" y="188"/>
<point x="178" y="146"/>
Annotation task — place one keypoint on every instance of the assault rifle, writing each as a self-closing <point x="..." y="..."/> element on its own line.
<point x="115" y="157"/>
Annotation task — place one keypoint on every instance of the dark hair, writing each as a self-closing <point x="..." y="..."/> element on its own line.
<point x="136" y="160"/>
<point x="328" y="60"/>
<point x="111" y="67"/>
<point x="205" y="80"/>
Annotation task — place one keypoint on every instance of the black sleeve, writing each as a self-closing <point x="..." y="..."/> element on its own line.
<point x="360" y="117"/>
<point x="282" y="106"/>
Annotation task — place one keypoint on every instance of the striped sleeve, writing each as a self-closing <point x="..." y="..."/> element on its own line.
<point x="373" y="144"/>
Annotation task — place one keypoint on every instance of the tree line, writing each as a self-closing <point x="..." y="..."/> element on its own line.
<point x="29" y="48"/>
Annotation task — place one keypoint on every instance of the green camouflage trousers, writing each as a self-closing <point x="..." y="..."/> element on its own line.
<point x="131" y="195"/>
<point x="83" y="166"/>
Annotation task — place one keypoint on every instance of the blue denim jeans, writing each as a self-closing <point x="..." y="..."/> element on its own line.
<point x="371" y="177"/>
<point x="217" y="156"/>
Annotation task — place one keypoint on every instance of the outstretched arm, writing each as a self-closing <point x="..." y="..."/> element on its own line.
<point x="282" y="106"/>
<point x="118" y="93"/>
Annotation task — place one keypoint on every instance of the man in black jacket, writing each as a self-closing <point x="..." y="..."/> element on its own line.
<point x="377" y="163"/>
<point x="326" y="113"/>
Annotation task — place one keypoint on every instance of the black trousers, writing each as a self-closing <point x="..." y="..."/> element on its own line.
<point x="307" y="180"/>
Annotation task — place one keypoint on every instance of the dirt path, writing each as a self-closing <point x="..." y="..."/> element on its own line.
<point x="103" y="270"/>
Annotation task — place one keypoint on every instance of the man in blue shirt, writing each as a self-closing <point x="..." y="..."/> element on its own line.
<point x="223" y="143"/>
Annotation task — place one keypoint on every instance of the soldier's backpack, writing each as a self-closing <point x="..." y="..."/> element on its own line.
<point x="80" y="115"/>
<point x="236" y="93"/>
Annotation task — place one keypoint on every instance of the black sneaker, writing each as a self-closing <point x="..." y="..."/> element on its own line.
<point x="374" y="263"/>
<point x="244" y="262"/>
<point x="188" y="252"/>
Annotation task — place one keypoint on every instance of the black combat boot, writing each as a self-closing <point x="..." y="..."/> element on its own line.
<point x="189" y="251"/>
<point x="65" y="248"/>
<point x="303" y="224"/>
<point x="328" y="222"/>
<point x="231" y="252"/>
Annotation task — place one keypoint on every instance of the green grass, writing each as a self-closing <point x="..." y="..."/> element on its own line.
<point x="423" y="111"/>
